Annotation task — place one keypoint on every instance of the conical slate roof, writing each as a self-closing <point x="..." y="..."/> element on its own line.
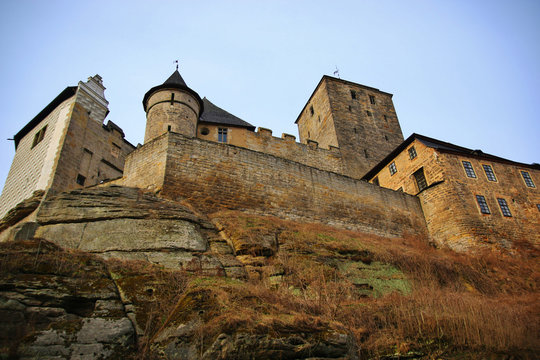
<point x="174" y="81"/>
<point x="175" y="78"/>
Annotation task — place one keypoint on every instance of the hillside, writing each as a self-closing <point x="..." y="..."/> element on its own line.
<point x="233" y="285"/>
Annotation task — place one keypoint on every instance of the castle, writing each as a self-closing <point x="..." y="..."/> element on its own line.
<point x="351" y="168"/>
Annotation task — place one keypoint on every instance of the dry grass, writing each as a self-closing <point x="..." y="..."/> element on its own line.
<point x="483" y="302"/>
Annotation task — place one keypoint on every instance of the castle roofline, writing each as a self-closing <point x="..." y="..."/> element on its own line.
<point x="174" y="82"/>
<point x="63" y="96"/>
<point x="445" y="147"/>
<point x="331" y="78"/>
<point x="215" y="115"/>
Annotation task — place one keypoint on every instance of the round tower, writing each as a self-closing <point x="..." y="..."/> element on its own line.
<point x="171" y="106"/>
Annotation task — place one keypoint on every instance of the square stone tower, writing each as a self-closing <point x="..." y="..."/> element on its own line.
<point x="358" y="119"/>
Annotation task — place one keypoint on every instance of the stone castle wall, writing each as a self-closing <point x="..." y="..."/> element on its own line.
<point x="32" y="167"/>
<point x="285" y="147"/>
<point x="215" y="176"/>
<point x="453" y="214"/>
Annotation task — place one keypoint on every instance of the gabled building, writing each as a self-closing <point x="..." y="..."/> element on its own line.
<point x="66" y="146"/>
<point x="467" y="196"/>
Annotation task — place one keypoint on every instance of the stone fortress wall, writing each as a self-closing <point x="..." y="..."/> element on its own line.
<point x="32" y="164"/>
<point x="214" y="176"/>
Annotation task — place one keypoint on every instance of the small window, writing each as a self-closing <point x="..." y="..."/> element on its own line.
<point x="319" y="118"/>
<point x="420" y="179"/>
<point x="366" y="153"/>
<point x="222" y="135"/>
<point x="353" y="94"/>
<point x="39" y="136"/>
<point x="368" y="113"/>
<point x="385" y="118"/>
<point x="311" y="110"/>
<point x="350" y="109"/>
<point x="168" y="127"/>
<point x="205" y="131"/>
<point x="172" y="98"/>
<point x="412" y="152"/>
<point x="489" y="172"/>
<point x="372" y="99"/>
<point x="484" y="208"/>
<point x="392" y="168"/>
<point x="81" y="179"/>
<point x="385" y="137"/>
<point x="504" y="207"/>
<point x="527" y="178"/>
<point x="376" y="182"/>
<point x="469" y="169"/>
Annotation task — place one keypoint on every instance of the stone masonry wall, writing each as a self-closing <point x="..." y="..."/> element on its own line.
<point x="145" y="167"/>
<point x="215" y="176"/>
<point x="180" y="114"/>
<point x="366" y="132"/>
<point x="316" y="121"/>
<point x="286" y="147"/>
<point x="32" y="168"/>
<point x="453" y="214"/>
<point x="426" y="158"/>
<point x="90" y="150"/>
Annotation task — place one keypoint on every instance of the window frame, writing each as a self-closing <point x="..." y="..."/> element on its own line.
<point x="482" y="204"/>
<point x="503" y="206"/>
<point x="487" y="173"/>
<point x="421" y="172"/>
<point x="392" y="168"/>
<point x="527" y="179"/>
<point x="463" y="163"/>
<point x="412" y="151"/>
<point x="39" y="136"/>
<point x="223" y="135"/>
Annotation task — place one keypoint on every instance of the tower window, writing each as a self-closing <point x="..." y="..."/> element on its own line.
<point x="420" y="179"/>
<point x="222" y="135"/>
<point x="319" y="118"/>
<point x="504" y="207"/>
<point x="385" y="118"/>
<point x="366" y="153"/>
<point x="527" y="178"/>
<point x="39" y="136"/>
<point x="412" y="153"/>
<point x="372" y="99"/>
<point x="353" y="94"/>
<point x="392" y="168"/>
<point x="469" y="170"/>
<point x="172" y="98"/>
<point x="168" y="127"/>
<point x="484" y="208"/>
<point x="489" y="172"/>
<point x="386" y="137"/>
<point x="311" y="110"/>
<point x="81" y="179"/>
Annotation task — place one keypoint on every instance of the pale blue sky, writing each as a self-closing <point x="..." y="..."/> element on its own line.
<point x="465" y="72"/>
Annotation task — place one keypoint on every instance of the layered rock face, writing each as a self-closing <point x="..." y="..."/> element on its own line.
<point x="125" y="223"/>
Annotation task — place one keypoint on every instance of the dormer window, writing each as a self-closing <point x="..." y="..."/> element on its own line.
<point x="222" y="135"/>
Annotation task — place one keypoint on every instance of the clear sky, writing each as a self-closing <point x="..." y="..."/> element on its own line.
<point x="465" y="72"/>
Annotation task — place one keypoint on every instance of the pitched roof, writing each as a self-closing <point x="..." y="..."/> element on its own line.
<point x="63" y="96"/>
<point x="216" y="115"/>
<point x="441" y="146"/>
<point x="174" y="81"/>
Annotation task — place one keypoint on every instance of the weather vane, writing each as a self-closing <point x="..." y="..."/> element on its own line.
<point x="337" y="72"/>
<point x="176" y="62"/>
